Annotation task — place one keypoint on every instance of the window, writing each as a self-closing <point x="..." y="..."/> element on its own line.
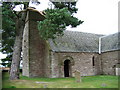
<point x="93" y="61"/>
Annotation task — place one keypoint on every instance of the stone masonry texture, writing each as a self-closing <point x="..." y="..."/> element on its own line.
<point x="39" y="60"/>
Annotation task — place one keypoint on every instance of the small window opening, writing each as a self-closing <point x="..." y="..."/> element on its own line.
<point x="93" y="61"/>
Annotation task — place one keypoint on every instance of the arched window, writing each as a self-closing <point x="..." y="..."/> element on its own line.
<point x="93" y="61"/>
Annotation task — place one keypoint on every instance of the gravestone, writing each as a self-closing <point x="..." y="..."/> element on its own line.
<point x="77" y="76"/>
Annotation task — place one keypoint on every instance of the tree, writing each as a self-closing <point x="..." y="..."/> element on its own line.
<point x="13" y="26"/>
<point x="16" y="46"/>
<point x="17" y="22"/>
<point x="70" y="5"/>
<point x="8" y="33"/>
<point x="20" y="23"/>
<point x="16" y="58"/>
<point x="57" y="19"/>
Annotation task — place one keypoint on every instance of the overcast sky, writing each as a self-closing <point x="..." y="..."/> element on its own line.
<point x="99" y="16"/>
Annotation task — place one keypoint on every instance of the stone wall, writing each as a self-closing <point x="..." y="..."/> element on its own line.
<point x="35" y="50"/>
<point x="39" y="53"/>
<point x="79" y="61"/>
<point x="109" y="61"/>
<point x="40" y="61"/>
<point x="25" y="49"/>
<point x="47" y="61"/>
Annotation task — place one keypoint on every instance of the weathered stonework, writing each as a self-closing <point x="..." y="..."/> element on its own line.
<point x="79" y="61"/>
<point x="43" y="59"/>
<point x="34" y="51"/>
<point x="25" y="49"/>
<point x="109" y="62"/>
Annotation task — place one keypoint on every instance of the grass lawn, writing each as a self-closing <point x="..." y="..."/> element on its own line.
<point x="100" y="81"/>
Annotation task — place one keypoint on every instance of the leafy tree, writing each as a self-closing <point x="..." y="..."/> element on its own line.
<point x="57" y="19"/>
<point x="16" y="57"/>
<point x="70" y="5"/>
<point x="8" y="34"/>
<point x="55" y="23"/>
<point x="13" y="25"/>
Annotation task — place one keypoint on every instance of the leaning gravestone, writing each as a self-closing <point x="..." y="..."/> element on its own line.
<point x="77" y="76"/>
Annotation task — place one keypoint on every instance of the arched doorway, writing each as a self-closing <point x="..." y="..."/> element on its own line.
<point x="66" y="68"/>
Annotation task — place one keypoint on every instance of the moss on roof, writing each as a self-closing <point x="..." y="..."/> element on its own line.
<point x="73" y="41"/>
<point x="110" y="42"/>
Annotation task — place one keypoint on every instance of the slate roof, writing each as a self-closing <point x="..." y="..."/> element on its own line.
<point x="110" y="42"/>
<point x="73" y="41"/>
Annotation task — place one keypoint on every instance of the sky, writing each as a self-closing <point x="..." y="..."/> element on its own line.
<point x="99" y="16"/>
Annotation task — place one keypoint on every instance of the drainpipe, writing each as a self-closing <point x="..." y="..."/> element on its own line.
<point x="100" y="51"/>
<point x="100" y="45"/>
<point x="101" y="64"/>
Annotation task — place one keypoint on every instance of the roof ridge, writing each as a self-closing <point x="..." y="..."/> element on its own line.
<point x="82" y="32"/>
<point x="110" y="35"/>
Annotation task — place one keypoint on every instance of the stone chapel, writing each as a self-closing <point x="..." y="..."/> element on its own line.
<point x="91" y="54"/>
